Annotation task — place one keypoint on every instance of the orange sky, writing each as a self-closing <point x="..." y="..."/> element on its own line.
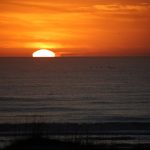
<point x="75" y="27"/>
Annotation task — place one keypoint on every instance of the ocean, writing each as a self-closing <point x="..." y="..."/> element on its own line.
<point x="75" y="90"/>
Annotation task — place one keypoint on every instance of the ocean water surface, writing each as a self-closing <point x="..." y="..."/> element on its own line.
<point x="100" y="89"/>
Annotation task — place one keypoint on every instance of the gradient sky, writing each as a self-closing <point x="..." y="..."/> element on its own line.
<point x="75" y="27"/>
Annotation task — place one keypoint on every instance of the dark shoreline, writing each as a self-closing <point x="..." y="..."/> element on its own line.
<point x="38" y="143"/>
<point x="81" y="128"/>
<point x="93" y="133"/>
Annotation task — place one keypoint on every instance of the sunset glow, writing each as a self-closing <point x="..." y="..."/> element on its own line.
<point x="43" y="53"/>
<point x="75" y="28"/>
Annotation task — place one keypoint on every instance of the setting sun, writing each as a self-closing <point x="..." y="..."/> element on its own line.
<point x="43" y="53"/>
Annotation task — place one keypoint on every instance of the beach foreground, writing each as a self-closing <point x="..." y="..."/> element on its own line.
<point x="38" y="143"/>
<point x="55" y="136"/>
